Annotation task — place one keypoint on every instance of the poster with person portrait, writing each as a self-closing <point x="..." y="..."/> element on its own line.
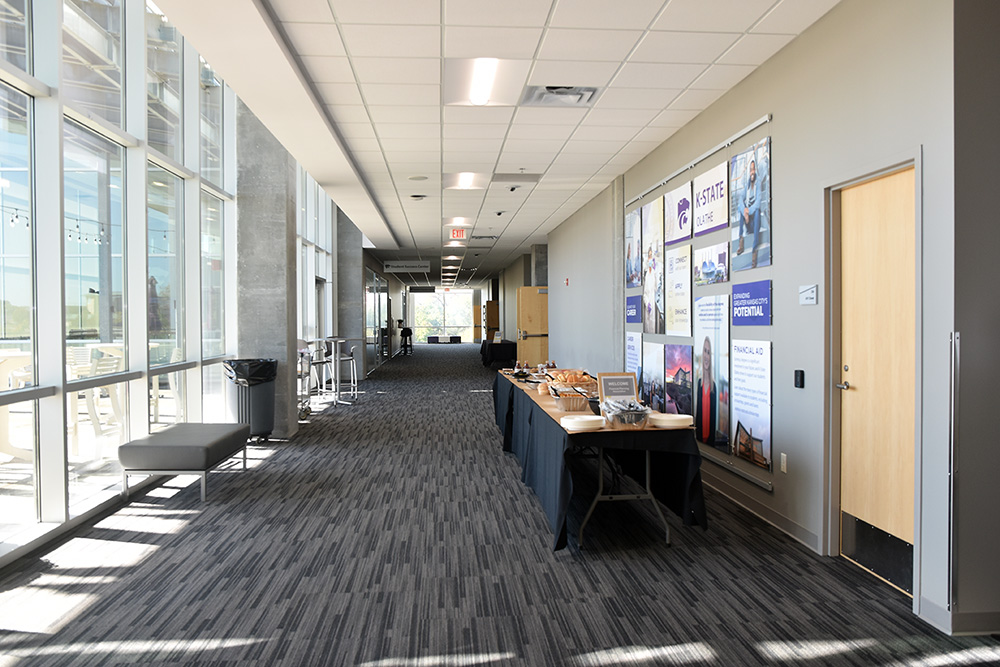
<point x="710" y="264"/>
<point x="678" y="303"/>
<point x="651" y="390"/>
<point x="677" y="214"/>
<point x="750" y="206"/>
<point x="711" y="200"/>
<point x="752" y="401"/>
<point x="677" y="380"/>
<point x="711" y="362"/>
<point x="651" y="218"/>
<point x="633" y="250"/>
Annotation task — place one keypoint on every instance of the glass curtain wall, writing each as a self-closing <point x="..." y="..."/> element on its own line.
<point x="14" y="33"/>
<point x="17" y="421"/>
<point x="443" y="314"/>
<point x="164" y="92"/>
<point x="210" y="103"/>
<point x="213" y="277"/>
<point x="92" y="57"/>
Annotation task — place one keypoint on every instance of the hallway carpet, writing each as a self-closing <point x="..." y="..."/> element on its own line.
<point x="395" y="532"/>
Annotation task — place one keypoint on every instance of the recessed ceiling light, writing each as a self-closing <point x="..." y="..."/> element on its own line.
<point x="484" y="73"/>
<point x="465" y="180"/>
<point x="454" y="244"/>
<point x="458" y="222"/>
<point x="452" y="257"/>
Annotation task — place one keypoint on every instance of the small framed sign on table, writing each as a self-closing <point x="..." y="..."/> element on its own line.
<point x="617" y="386"/>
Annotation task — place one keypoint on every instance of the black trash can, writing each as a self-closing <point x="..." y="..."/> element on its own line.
<point x="250" y="393"/>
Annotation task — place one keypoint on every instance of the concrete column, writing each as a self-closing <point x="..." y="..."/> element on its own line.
<point x="351" y="289"/>
<point x="266" y="260"/>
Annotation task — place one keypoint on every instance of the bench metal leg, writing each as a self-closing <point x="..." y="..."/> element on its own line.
<point x="124" y="485"/>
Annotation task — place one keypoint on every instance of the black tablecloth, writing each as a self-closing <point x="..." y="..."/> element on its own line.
<point x="541" y="446"/>
<point x="505" y="350"/>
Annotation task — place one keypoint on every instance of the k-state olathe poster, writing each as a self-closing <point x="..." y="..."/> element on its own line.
<point x="677" y="214"/>
<point x="711" y="200"/>
<point x="678" y="305"/>
<point x="752" y="401"/>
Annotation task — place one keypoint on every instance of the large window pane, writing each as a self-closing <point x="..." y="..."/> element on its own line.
<point x="94" y="263"/>
<point x="16" y="280"/>
<point x="165" y="284"/>
<point x="92" y="57"/>
<point x="95" y="424"/>
<point x="213" y="275"/>
<point x="14" y="33"/>
<point x="166" y="399"/>
<point x="163" y="84"/>
<point x="211" y="124"/>
<point x="17" y="468"/>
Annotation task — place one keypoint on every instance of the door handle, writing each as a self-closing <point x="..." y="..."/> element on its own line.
<point x="845" y="386"/>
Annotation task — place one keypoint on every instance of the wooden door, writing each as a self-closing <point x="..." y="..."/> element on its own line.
<point x="878" y="339"/>
<point x="533" y="324"/>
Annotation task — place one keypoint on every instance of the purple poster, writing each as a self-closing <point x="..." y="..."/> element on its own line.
<point x="752" y="304"/>
<point x="633" y="309"/>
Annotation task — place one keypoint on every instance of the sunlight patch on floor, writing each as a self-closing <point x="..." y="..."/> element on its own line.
<point x="980" y="655"/>
<point x="681" y="654"/>
<point x="441" y="660"/>
<point x="131" y="647"/>
<point x="788" y="651"/>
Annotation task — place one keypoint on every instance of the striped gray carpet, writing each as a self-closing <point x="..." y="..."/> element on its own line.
<point x="395" y="532"/>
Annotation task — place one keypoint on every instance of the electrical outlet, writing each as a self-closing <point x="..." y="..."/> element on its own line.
<point x="784" y="462"/>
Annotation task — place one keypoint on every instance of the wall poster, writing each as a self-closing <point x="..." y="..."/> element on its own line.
<point x="710" y="264"/>
<point x="752" y="401"/>
<point x="750" y="206"/>
<point x="633" y="250"/>
<point x="651" y="216"/>
<point x="633" y="363"/>
<point x="651" y="389"/>
<point x="678" y="303"/>
<point x="677" y="379"/>
<point x="752" y="304"/>
<point x="711" y="200"/>
<point x="633" y="309"/>
<point x="711" y="349"/>
<point x="677" y="214"/>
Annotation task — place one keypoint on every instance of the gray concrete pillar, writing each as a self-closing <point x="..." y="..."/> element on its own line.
<point x="540" y="265"/>
<point x="267" y="259"/>
<point x="351" y="289"/>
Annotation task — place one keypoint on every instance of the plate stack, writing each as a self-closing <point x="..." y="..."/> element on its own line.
<point x="661" y="420"/>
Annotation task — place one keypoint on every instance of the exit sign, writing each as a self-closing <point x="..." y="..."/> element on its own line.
<point x="457" y="235"/>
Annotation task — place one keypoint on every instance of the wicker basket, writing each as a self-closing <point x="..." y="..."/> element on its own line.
<point x="572" y="402"/>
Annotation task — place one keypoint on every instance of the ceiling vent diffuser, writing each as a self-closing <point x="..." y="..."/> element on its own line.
<point x="559" y="96"/>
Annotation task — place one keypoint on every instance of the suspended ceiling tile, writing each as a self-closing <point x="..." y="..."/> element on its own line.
<point x="636" y="98"/>
<point x="385" y="94"/>
<point x="572" y="168"/>
<point x="328" y="69"/>
<point x="636" y="14"/>
<point x="403" y="12"/>
<point x="601" y="45"/>
<point x="723" y="16"/>
<point x="696" y="99"/>
<point x="492" y="131"/>
<point x="398" y="70"/>
<point x="304" y="11"/>
<point x="551" y="132"/>
<point x="487" y="42"/>
<point x="619" y="117"/>
<point x="451" y="146"/>
<point x="511" y="162"/>
<point x="588" y="162"/>
<point x="754" y="49"/>
<point x="405" y="114"/>
<point x="314" y="39"/>
<point x="561" y="73"/>
<point x="546" y="116"/>
<point x="510" y="13"/>
<point x="473" y="115"/>
<point x="409" y="130"/>
<point x="449" y="166"/>
<point x="682" y="47"/>
<point x="432" y="170"/>
<point x="639" y="148"/>
<point x="339" y="93"/>
<point x="539" y="146"/>
<point x="601" y="147"/>
<point x="603" y="133"/>
<point x="722" y="77"/>
<point x="344" y="113"/>
<point x="363" y="143"/>
<point x="393" y="41"/>
<point x="357" y="130"/>
<point x="396" y="144"/>
<point x="403" y="156"/>
<point x="674" y="117"/>
<point x="657" y="75"/>
<point x="792" y="17"/>
<point x="659" y="134"/>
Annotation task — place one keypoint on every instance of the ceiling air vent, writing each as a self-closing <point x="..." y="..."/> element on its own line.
<point x="559" y="96"/>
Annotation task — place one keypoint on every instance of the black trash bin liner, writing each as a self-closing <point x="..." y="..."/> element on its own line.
<point x="248" y="372"/>
<point x="250" y="395"/>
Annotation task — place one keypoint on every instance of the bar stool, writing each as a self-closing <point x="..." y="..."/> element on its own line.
<point x="354" y="370"/>
<point x="320" y="366"/>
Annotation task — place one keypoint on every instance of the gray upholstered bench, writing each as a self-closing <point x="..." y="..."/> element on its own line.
<point x="183" y="449"/>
